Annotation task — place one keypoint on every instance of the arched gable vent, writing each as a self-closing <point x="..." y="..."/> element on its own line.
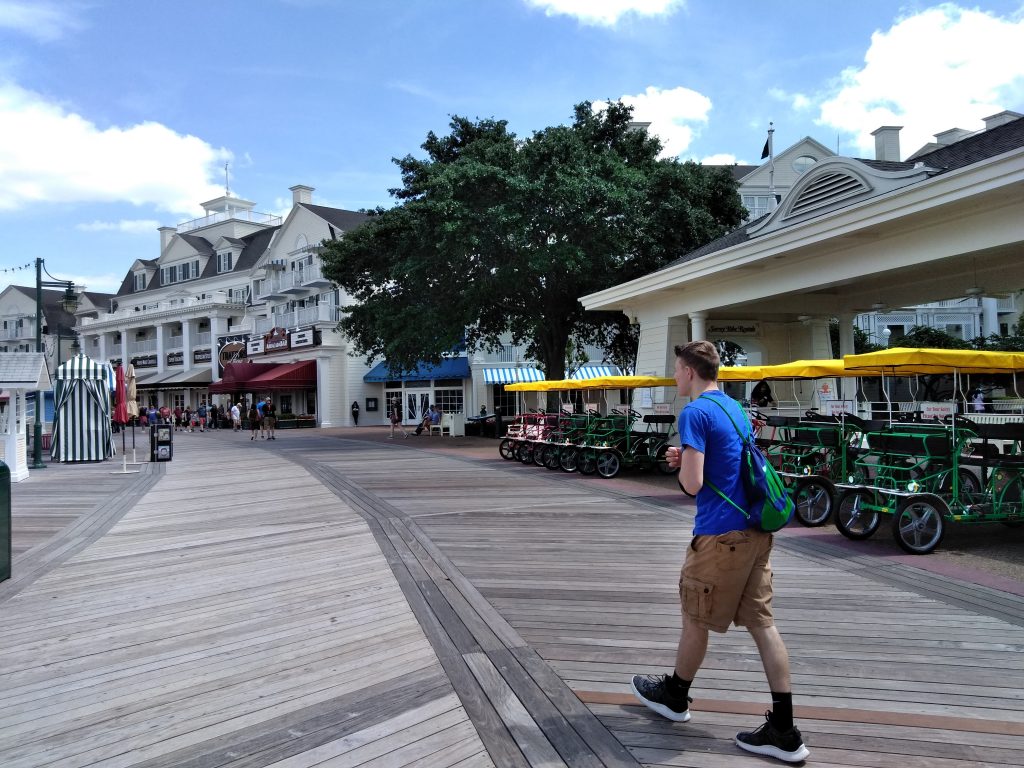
<point x="824" y="191"/>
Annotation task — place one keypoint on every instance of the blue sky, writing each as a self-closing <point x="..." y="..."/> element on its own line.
<point x="118" y="117"/>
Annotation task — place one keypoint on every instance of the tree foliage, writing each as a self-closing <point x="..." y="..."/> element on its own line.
<point x="861" y="340"/>
<point x="493" y="234"/>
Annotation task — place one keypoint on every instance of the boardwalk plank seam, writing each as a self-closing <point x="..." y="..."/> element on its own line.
<point x="559" y="730"/>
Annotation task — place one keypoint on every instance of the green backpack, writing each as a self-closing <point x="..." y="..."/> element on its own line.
<point x="770" y="505"/>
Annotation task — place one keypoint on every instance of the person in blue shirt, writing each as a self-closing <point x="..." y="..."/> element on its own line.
<point x="259" y="409"/>
<point x="726" y="577"/>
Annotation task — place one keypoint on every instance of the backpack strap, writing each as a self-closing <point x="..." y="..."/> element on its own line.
<point x="717" y="490"/>
<point x="726" y="412"/>
<point x="742" y="437"/>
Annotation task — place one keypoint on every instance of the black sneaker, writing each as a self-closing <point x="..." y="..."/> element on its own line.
<point x="654" y="692"/>
<point x="768" y="740"/>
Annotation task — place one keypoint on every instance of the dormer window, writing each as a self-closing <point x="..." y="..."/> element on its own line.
<point x="140" y="281"/>
<point x="175" y="273"/>
<point x="224" y="261"/>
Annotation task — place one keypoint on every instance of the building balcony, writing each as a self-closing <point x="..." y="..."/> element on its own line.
<point x="313" y="277"/>
<point x="145" y="313"/>
<point x="142" y="347"/>
<point x="174" y="343"/>
<point x="322" y="314"/>
<point x="201" y="339"/>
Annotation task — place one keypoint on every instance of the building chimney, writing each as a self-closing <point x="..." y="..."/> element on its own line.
<point x="887" y="142"/>
<point x="952" y="136"/>
<point x="301" y="194"/>
<point x="166" y="233"/>
<point x="1001" y="118"/>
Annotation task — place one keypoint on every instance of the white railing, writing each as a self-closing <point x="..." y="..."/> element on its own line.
<point x="1007" y="303"/>
<point x="174" y="342"/>
<point x="141" y="347"/>
<point x="320" y="314"/>
<point x="219" y="299"/>
<point x="511" y="354"/>
<point x="202" y="338"/>
<point x="215" y="218"/>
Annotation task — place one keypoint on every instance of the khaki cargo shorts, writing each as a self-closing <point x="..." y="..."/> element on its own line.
<point x="727" y="579"/>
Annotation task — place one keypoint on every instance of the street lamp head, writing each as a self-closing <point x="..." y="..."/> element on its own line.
<point x="76" y="348"/>
<point x="69" y="301"/>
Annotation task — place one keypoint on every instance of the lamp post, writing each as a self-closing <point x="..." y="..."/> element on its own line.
<point x="69" y="302"/>
<point x="66" y="334"/>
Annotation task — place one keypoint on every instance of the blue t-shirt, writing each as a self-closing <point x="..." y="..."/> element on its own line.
<point x="705" y="428"/>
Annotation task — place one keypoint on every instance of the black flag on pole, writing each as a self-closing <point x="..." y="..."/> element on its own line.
<point x="766" y="151"/>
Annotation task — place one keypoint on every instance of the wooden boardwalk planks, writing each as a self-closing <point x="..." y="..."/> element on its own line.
<point x="235" y="614"/>
<point x="266" y="621"/>
<point x="586" y="579"/>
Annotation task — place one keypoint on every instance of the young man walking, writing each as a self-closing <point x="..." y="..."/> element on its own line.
<point x="726" y="577"/>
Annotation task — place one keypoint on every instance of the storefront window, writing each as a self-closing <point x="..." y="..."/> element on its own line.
<point x="448" y="400"/>
<point x="179" y="400"/>
<point x="504" y="402"/>
<point x="285" y="405"/>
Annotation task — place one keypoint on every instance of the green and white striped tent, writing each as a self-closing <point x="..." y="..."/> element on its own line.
<point x="81" y="417"/>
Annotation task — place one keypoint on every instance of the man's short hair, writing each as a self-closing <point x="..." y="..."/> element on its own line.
<point x="702" y="356"/>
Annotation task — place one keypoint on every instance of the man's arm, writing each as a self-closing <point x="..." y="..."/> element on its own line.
<point x="691" y="471"/>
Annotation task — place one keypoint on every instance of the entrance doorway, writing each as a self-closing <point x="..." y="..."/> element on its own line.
<point x="417" y="403"/>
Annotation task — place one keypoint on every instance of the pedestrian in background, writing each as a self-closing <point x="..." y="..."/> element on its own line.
<point x="396" y="419"/>
<point x="269" y="417"/>
<point x="255" y="422"/>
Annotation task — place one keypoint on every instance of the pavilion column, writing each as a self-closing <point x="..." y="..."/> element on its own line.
<point x="846" y="347"/>
<point x="125" y="359"/>
<point x="698" y="326"/>
<point x="989" y="316"/>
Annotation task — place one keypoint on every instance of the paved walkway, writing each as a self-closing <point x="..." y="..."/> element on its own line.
<point x="324" y="600"/>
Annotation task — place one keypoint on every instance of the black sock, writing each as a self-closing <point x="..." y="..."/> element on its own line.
<point x="782" y="711"/>
<point x="678" y="686"/>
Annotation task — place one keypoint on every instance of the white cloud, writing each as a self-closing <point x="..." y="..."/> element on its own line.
<point x="942" y="68"/>
<point x="131" y="226"/>
<point x="719" y="159"/>
<point x="797" y="101"/>
<point x="605" y="13"/>
<point x="43" y="21"/>
<point x="672" y="114"/>
<point x="48" y="154"/>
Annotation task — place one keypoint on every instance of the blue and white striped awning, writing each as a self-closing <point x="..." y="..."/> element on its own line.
<point x="511" y="375"/>
<point x="595" y="371"/>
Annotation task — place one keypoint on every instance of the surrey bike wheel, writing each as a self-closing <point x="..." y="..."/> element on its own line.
<point x="813" y="498"/>
<point x="855" y="517"/>
<point x="919" y="524"/>
<point x="507" y="449"/>
<point x="608" y="464"/>
<point x="569" y="458"/>
<point x="587" y="463"/>
<point x="550" y="457"/>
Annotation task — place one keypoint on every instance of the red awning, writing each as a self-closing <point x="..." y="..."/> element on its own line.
<point x="238" y="375"/>
<point x="300" y="375"/>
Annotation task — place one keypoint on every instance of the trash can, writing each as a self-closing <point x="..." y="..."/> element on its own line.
<point x="161" y="446"/>
<point x="5" y="522"/>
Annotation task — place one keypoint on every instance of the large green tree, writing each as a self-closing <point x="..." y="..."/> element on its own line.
<point x="492" y="234"/>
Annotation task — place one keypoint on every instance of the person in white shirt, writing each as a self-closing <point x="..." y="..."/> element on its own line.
<point x="236" y="417"/>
